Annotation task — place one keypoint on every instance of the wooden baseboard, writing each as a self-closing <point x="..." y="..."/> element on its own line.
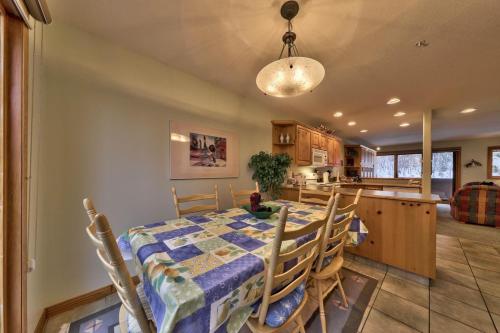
<point x="75" y="302"/>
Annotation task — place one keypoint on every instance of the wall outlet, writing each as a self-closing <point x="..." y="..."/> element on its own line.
<point x="31" y="265"/>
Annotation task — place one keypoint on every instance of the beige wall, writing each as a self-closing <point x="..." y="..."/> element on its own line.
<point x="471" y="149"/>
<point x="101" y="129"/>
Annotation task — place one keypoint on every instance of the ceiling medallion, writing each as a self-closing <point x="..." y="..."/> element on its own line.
<point x="292" y="75"/>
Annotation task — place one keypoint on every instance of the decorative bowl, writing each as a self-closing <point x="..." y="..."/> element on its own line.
<point x="262" y="215"/>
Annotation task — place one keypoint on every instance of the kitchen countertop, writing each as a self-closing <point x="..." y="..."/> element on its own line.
<point x="388" y="184"/>
<point x="394" y="195"/>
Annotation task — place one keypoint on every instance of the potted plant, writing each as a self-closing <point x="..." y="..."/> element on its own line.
<point x="270" y="171"/>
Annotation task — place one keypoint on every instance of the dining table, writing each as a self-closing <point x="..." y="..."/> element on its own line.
<point x="202" y="273"/>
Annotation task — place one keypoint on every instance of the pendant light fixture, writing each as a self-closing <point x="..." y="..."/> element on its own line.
<point x="292" y="75"/>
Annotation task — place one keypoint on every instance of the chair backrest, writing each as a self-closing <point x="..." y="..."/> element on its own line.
<point x="336" y="232"/>
<point x="195" y="197"/>
<point x="101" y="235"/>
<point x="315" y="197"/>
<point x="242" y="197"/>
<point x="305" y="255"/>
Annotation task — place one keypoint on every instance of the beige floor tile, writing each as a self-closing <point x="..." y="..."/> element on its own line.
<point x="443" y="249"/>
<point x="452" y="257"/>
<point x="453" y="266"/>
<point x="469" y="245"/>
<point x="445" y="246"/>
<point x="492" y="265"/>
<point x="486" y="274"/>
<point x="493" y="303"/>
<point x="378" y="322"/>
<point x="399" y="273"/>
<point x="482" y="255"/>
<point x="496" y="320"/>
<point x="408" y="290"/>
<point x="489" y="287"/>
<point x="462" y="312"/>
<point x="440" y="324"/>
<point x="458" y="278"/>
<point x="447" y="239"/>
<point x="407" y="312"/>
<point x="458" y="292"/>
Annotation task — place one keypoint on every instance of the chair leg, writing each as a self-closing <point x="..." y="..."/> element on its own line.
<point x="322" y="315"/>
<point x="342" y="291"/>
<point x="300" y="323"/>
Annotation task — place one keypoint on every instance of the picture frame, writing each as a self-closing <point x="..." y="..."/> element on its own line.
<point x="198" y="152"/>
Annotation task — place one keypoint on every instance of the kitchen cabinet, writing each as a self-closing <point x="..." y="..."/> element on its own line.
<point x="303" y="146"/>
<point x="359" y="161"/>
<point x="401" y="234"/>
<point x="315" y="142"/>
<point x="331" y="151"/>
<point x="323" y="142"/>
<point x="302" y="140"/>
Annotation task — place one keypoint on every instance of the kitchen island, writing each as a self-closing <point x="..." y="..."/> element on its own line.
<point x="401" y="226"/>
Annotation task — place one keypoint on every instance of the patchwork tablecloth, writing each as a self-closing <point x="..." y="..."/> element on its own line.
<point x="202" y="273"/>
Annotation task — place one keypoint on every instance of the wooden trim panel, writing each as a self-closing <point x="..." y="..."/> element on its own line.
<point x="14" y="107"/>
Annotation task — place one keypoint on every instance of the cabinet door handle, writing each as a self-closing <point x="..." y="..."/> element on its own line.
<point x="427" y="212"/>
<point x="372" y="242"/>
<point x="418" y="205"/>
<point x="403" y="204"/>
<point x="379" y="212"/>
<point x="411" y="205"/>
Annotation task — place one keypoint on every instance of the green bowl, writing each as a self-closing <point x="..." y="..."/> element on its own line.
<point x="262" y="215"/>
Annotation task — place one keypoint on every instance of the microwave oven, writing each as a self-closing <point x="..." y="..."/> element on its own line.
<point x="319" y="157"/>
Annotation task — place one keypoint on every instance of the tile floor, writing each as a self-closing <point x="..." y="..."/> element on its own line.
<point x="465" y="297"/>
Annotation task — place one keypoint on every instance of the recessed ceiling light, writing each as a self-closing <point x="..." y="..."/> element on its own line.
<point x="363" y="131"/>
<point x="351" y="123"/>
<point x="378" y="148"/>
<point x="422" y="43"/>
<point x="399" y="114"/>
<point x="469" y="110"/>
<point x="404" y="124"/>
<point x="338" y="114"/>
<point x="393" y="100"/>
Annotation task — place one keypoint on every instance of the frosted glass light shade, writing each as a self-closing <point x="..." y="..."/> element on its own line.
<point x="292" y="76"/>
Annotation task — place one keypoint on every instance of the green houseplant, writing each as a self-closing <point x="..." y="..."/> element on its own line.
<point x="269" y="171"/>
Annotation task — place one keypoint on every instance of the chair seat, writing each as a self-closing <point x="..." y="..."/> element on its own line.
<point x="329" y="270"/>
<point x="279" y="312"/>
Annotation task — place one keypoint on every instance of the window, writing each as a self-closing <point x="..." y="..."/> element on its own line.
<point x="384" y="166"/>
<point x="494" y="162"/>
<point x="442" y="165"/>
<point x="410" y="166"/>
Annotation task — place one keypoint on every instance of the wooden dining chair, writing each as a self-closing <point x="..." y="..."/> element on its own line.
<point x="134" y="302"/>
<point x="193" y="198"/>
<point x="330" y="259"/>
<point x="283" y="305"/>
<point x="242" y="197"/>
<point x="315" y="197"/>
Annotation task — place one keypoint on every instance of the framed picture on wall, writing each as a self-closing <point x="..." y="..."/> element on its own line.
<point x="201" y="152"/>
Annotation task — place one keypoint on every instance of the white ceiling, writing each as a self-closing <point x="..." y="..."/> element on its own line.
<point x="367" y="48"/>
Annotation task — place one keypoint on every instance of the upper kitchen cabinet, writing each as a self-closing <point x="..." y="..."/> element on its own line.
<point x="298" y="140"/>
<point x="303" y="146"/>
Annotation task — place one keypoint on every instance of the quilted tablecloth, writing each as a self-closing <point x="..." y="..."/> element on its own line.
<point x="201" y="273"/>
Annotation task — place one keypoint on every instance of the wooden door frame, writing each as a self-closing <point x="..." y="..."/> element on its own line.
<point x="15" y="119"/>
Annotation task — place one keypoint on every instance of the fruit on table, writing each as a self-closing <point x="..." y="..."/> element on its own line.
<point x="255" y="205"/>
